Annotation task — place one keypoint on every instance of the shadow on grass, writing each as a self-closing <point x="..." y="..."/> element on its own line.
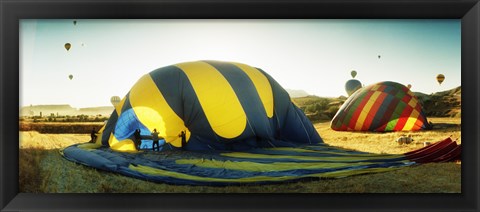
<point x="445" y="126"/>
<point x="29" y="160"/>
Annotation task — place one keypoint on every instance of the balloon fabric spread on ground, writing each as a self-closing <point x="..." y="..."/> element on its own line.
<point x="254" y="166"/>
<point x="383" y="106"/>
<point x="240" y="127"/>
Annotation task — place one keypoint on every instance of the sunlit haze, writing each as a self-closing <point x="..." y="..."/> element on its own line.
<point x="107" y="57"/>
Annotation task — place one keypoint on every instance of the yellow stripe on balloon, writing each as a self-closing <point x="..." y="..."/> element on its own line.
<point x="333" y="174"/>
<point x="413" y="102"/>
<point x="262" y="86"/>
<point x="326" y="151"/>
<point x="410" y="93"/>
<point x="154" y="112"/>
<point x="366" y="109"/>
<point x="122" y="146"/>
<point x="259" y="167"/>
<point x="375" y="87"/>
<point x="411" y="120"/>
<point x="352" y="158"/>
<point x="217" y="98"/>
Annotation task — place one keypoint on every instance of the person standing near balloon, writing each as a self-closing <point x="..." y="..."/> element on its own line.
<point x="137" y="138"/>
<point x="184" y="141"/>
<point x="93" y="135"/>
<point x="155" y="140"/>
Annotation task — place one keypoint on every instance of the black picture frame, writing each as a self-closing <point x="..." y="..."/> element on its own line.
<point x="13" y="10"/>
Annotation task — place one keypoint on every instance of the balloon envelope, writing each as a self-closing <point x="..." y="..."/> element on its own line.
<point x="440" y="78"/>
<point x="216" y="104"/>
<point x="353" y="73"/>
<point x="352" y="85"/>
<point x="67" y="46"/>
<point x="70" y="77"/>
<point x="115" y="100"/>
<point x="381" y="107"/>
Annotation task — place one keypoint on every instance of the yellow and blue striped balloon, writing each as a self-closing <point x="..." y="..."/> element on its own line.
<point x="241" y="128"/>
<point x="219" y="106"/>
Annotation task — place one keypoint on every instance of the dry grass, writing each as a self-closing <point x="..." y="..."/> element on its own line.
<point x="44" y="170"/>
<point x="384" y="142"/>
<point x="33" y="139"/>
<point x="29" y="170"/>
<point x="59" y="127"/>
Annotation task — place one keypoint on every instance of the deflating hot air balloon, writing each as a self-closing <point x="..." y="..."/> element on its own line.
<point x="243" y="117"/>
<point x="352" y="85"/>
<point x="67" y="46"/>
<point x="353" y="73"/>
<point x="70" y="77"/>
<point x="115" y="100"/>
<point x="186" y="97"/>
<point x="440" y="78"/>
<point x="384" y="106"/>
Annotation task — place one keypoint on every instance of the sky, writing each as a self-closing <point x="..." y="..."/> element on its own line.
<point x="107" y="57"/>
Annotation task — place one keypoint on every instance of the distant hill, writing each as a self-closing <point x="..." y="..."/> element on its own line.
<point x="319" y="108"/>
<point x="104" y="111"/>
<point x="64" y="110"/>
<point x="296" y="93"/>
<point x="441" y="104"/>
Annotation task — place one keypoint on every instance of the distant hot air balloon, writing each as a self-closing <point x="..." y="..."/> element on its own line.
<point x="115" y="100"/>
<point x="352" y="85"/>
<point x="67" y="46"/>
<point x="379" y="56"/>
<point x="70" y="77"/>
<point x="440" y="78"/>
<point x="409" y="86"/>
<point x="353" y="73"/>
<point x="75" y="22"/>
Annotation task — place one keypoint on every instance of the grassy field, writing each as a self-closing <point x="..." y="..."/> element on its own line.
<point x="59" y="127"/>
<point x="44" y="170"/>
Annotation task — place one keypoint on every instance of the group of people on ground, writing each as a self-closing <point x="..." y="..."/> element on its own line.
<point x="155" y="139"/>
<point x="138" y="138"/>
